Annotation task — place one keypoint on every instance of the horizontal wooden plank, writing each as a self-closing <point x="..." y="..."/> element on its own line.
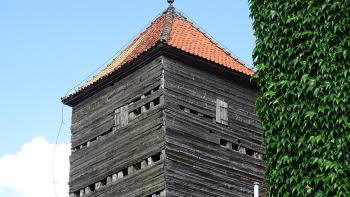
<point x="196" y="163"/>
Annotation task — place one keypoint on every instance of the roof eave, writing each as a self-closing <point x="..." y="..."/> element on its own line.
<point x="160" y="48"/>
<point x="125" y="69"/>
<point x="203" y="63"/>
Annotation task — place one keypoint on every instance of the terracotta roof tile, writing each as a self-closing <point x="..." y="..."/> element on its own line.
<point x="140" y="44"/>
<point x="175" y="30"/>
<point x="185" y="36"/>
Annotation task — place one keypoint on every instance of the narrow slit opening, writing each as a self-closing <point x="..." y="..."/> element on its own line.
<point x="113" y="177"/>
<point x="125" y="172"/>
<point x="154" y="194"/>
<point x="148" y="93"/>
<point x="137" y="111"/>
<point x="147" y="106"/>
<point x="235" y="147"/>
<point x="137" y="166"/>
<point x="156" y="157"/>
<point x="136" y="99"/>
<point x="92" y="187"/>
<point x="104" y="181"/>
<point x="156" y="101"/>
<point x="156" y="88"/>
<point x="223" y="142"/>
<point x="249" y="152"/>
<point x="193" y="112"/>
<point x="206" y="116"/>
<point x="77" y="193"/>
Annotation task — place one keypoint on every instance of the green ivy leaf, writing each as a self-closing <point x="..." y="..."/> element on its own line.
<point x="310" y="114"/>
<point x="303" y="68"/>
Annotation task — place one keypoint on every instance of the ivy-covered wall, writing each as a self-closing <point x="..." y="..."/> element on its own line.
<point x="302" y="57"/>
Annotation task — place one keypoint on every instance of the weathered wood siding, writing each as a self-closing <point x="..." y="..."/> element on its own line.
<point x="205" y="158"/>
<point x="169" y="106"/>
<point x="100" y="151"/>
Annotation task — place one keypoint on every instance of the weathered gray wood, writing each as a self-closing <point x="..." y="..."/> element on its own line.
<point x="221" y="112"/>
<point x="196" y="163"/>
<point x="117" y="117"/>
<point x="91" y="112"/>
<point x="111" y="150"/>
<point x="124" y="116"/>
<point x="167" y="129"/>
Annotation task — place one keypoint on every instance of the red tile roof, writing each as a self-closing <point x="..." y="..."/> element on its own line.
<point x="185" y="36"/>
<point x="175" y="30"/>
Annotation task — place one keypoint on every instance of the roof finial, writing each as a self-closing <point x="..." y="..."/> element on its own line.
<point x="170" y="2"/>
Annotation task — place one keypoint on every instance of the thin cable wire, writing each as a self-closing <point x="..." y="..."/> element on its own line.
<point x="212" y="38"/>
<point x="96" y="70"/>
<point x="54" y="150"/>
<point x="112" y="57"/>
<point x="76" y="86"/>
<point x="93" y="73"/>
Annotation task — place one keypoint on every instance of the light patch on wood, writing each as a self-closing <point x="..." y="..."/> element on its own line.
<point x="121" y="117"/>
<point x="221" y="112"/>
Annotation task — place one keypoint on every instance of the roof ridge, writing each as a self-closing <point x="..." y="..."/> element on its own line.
<point x="169" y="17"/>
<point x="170" y="13"/>
<point x="216" y="43"/>
<point x="174" y="29"/>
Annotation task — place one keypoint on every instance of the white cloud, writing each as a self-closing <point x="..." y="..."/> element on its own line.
<point x="28" y="173"/>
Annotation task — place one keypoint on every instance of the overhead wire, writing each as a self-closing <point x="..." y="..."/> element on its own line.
<point x="216" y="41"/>
<point x="104" y="64"/>
<point x="111" y="58"/>
<point x="77" y="86"/>
<point x="54" y="150"/>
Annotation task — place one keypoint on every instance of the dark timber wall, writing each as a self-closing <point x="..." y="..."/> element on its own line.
<point x="155" y="132"/>
<point x="205" y="158"/>
<point x="103" y="153"/>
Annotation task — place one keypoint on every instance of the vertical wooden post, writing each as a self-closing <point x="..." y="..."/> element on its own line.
<point x="162" y="154"/>
<point x="114" y="177"/>
<point x="82" y="192"/>
<point x="87" y="190"/>
<point x="130" y="169"/>
<point x="221" y="112"/>
<point x="124" y="116"/>
<point x="143" y="164"/>
<point x="73" y="195"/>
<point x="143" y="108"/>
<point x="228" y="145"/>
<point x="161" y="100"/>
<point x="98" y="185"/>
<point x="120" y="175"/>
<point x="116" y="119"/>
<point x="109" y="180"/>
<point x="241" y="149"/>
<point x="121" y="117"/>
<point x="150" y="161"/>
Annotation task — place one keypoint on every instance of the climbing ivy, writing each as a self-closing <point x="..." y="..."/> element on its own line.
<point x="302" y="57"/>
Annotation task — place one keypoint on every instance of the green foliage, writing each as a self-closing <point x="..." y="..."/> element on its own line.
<point x="302" y="56"/>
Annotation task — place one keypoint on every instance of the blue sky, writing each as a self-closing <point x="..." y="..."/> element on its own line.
<point x="48" y="47"/>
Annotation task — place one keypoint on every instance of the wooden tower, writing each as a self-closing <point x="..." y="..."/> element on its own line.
<point x="172" y="115"/>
